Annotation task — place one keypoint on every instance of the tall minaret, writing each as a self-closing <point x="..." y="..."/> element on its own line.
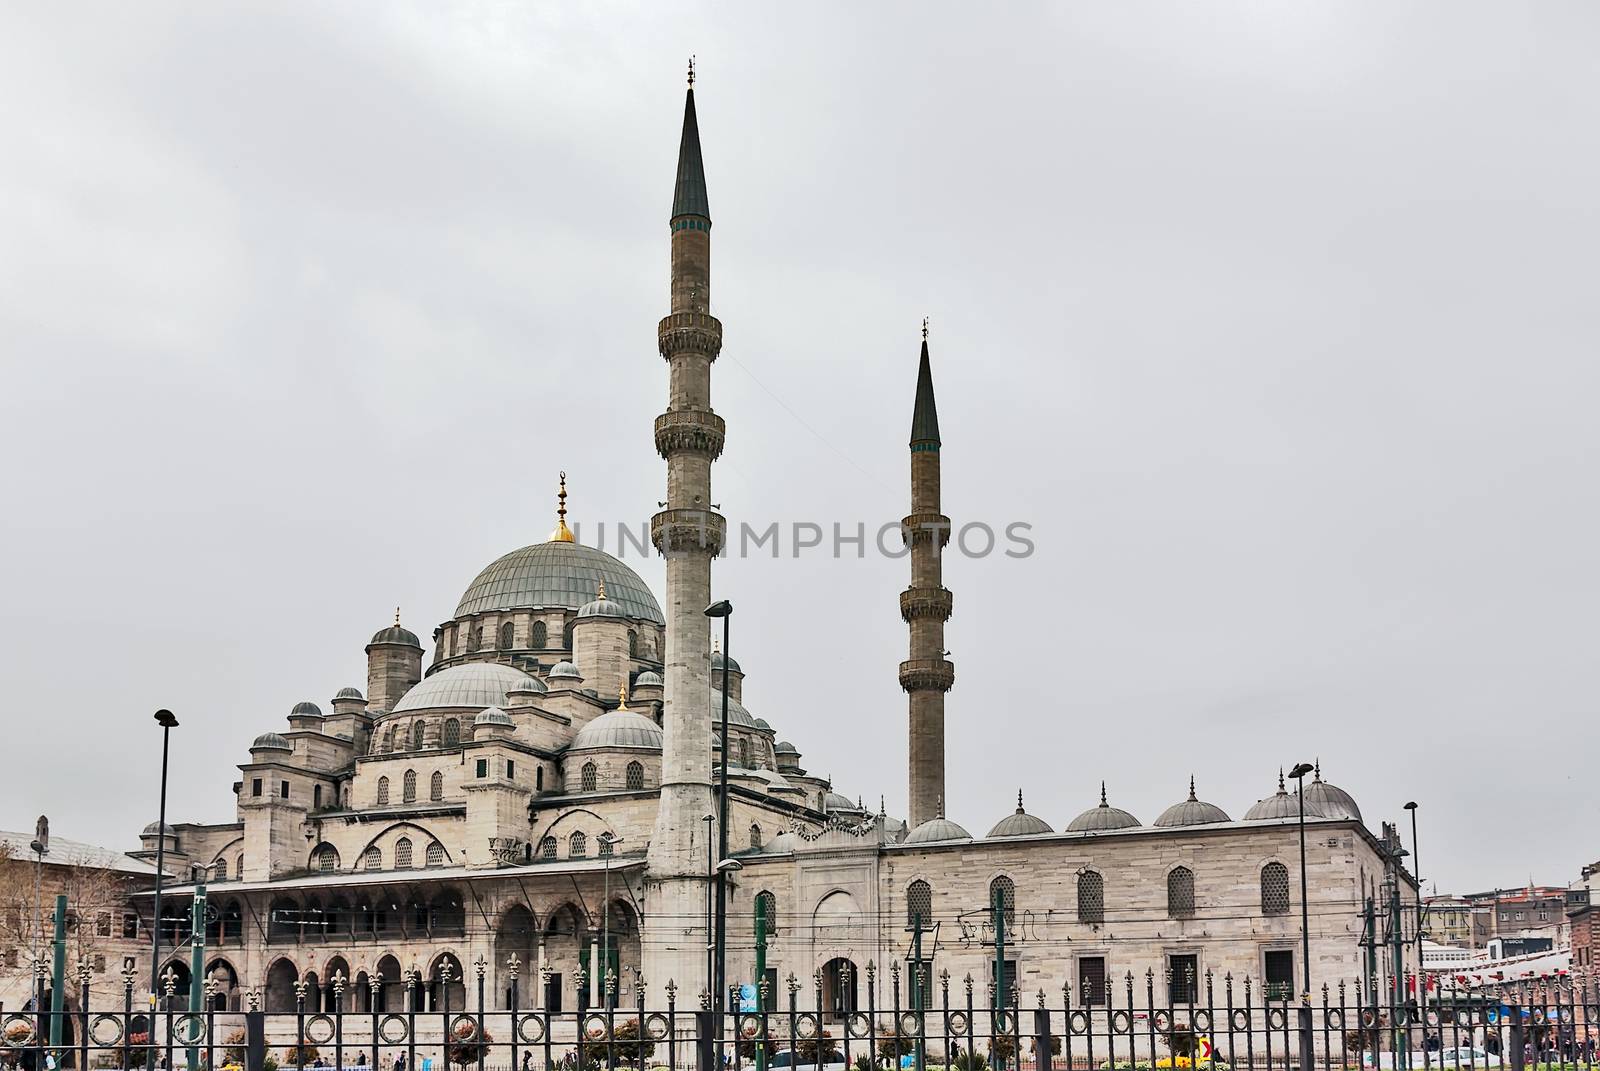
<point x="688" y="533"/>
<point x="925" y="606"/>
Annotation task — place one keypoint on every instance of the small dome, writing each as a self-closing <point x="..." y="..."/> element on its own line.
<point x="492" y="716"/>
<point x="470" y="684"/>
<point x="935" y="830"/>
<point x="601" y="606"/>
<point x="763" y="725"/>
<point x="784" y="842"/>
<point x="150" y="830"/>
<point x="1019" y="823"/>
<point x="1192" y="812"/>
<point x="648" y="679"/>
<point x="1280" y="805"/>
<point x="718" y="660"/>
<point x="783" y="747"/>
<point x="395" y="633"/>
<point x="838" y="801"/>
<point x="564" y="668"/>
<point x="616" y="729"/>
<point x="273" y="741"/>
<point x="532" y="684"/>
<point x="1330" y="801"/>
<point x="347" y="692"/>
<point x="1102" y="818"/>
<point x="306" y="709"/>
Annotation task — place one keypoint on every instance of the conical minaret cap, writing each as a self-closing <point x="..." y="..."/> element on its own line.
<point x="925" y="414"/>
<point x="689" y="192"/>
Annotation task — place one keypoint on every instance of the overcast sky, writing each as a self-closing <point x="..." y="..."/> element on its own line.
<point x="1275" y="321"/>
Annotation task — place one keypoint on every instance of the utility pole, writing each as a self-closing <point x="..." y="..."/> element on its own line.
<point x="58" y="991"/>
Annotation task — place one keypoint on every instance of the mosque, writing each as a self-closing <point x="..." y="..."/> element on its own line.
<point x="538" y="791"/>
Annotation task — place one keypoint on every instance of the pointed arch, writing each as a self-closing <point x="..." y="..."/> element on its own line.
<point x="383" y="791"/>
<point x="436" y="786"/>
<point x="408" y="791"/>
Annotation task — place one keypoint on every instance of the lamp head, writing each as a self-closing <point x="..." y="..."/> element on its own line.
<point x="1301" y="769"/>
<point x="728" y="866"/>
<point x="719" y="609"/>
<point x="1411" y="806"/>
<point x="165" y="719"/>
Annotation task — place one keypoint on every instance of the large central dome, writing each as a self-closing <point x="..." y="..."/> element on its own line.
<point x="558" y="573"/>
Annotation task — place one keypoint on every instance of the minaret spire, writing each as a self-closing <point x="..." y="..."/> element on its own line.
<point x="925" y="606"/>
<point x="689" y="533"/>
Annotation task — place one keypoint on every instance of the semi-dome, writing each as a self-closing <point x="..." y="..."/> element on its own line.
<point x="618" y="728"/>
<point x="271" y="740"/>
<point x="648" y="679"/>
<point x="470" y="684"/>
<point x="784" y="842"/>
<point x="305" y="709"/>
<point x="1192" y="812"/>
<point x="492" y="716"/>
<point x="395" y="633"/>
<point x="349" y="691"/>
<point x="564" y="668"/>
<point x="557" y="574"/>
<point x="1329" y="800"/>
<point x="1280" y="805"/>
<point x="718" y="660"/>
<point x="1019" y="823"/>
<point x="935" y="830"/>
<point x="1102" y="818"/>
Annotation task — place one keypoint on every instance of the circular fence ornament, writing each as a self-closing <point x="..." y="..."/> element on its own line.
<point x="530" y="1029"/>
<point x="1002" y="1022"/>
<point x="858" y="1025"/>
<point x="394" y="1029"/>
<point x="910" y="1024"/>
<point x="16" y="1031"/>
<point x="319" y="1029"/>
<point x="1240" y="1020"/>
<point x="1202" y="1021"/>
<point x="100" y="1036"/>
<point x="1121" y="1022"/>
<point x="1162" y="1021"/>
<point x="189" y="1029"/>
<point x="749" y="1026"/>
<point x="805" y="1025"/>
<point x="1078" y="1023"/>
<point x="1277" y="1019"/>
<point x="657" y="1026"/>
<point x="595" y="1028"/>
<point x="956" y="1023"/>
<point x="1333" y="1018"/>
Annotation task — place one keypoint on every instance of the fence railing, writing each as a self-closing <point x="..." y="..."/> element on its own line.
<point x="843" y="1022"/>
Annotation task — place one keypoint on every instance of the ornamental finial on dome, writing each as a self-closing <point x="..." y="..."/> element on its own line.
<point x="1019" y="802"/>
<point x="397" y="615"/>
<point x="1192" y="796"/>
<point x="1103" y="802"/>
<point x="622" y="689"/>
<point x="562" y="533"/>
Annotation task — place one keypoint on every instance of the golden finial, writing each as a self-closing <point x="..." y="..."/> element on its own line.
<point x="397" y="615"/>
<point x="601" y="593"/>
<point x="622" y="696"/>
<point x="691" y="72"/>
<point x="924" y="329"/>
<point x="562" y="534"/>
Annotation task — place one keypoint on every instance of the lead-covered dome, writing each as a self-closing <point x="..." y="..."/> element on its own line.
<point x="1280" y="805"/>
<point x="397" y="634"/>
<point x="1020" y="823"/>
<point x="558" y="574"/>
<point x="271" y="741"/>
<point x="305" y="709"/>
<point x="936" y="830"/>
<point x="349" y="691"/>
<point x="1192" y="812"/>
<point x="720" y="660"/>
<point x="1329" y="800"/>
<point x="493" y="716"/>
<point x="620" y="728"/>
<point x="471" y="684"/>
<point x="1102" y="818"/>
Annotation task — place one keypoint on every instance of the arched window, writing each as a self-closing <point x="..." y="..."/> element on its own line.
<point x="436" y="786"/>
<point x="417" y="731"/>
<point x="474" y="638"/>
<point x="388" y="739"/>
<point x="633" y="644"/>
<point x="768" y="909"/>
<point x="238" y="866"/>
<point x="383" y="792"/>
<point x="566" y="636"/>
<point x="1091" y="897"/>
<point x="541" y="636"/>
<point x="1180" y="893"/>
<point x="547" y="848"/>
<point x="919" y="904"/>
<point x="755" y="835"/>
<point x="1274" y="889"/>
<point x="538" y="778"/>
<point x="605" y="845"/>
<point x="219" y="870"/>
<point x="327" y="858"/>
<point x="435" y="854"/>
<point x="452" y="732"/>
<point x="505" y="636"/>
<point x="588" y="778"/>
<point x="577" y="846"/>
<point x="372" y="859"/>
<point x="402" y="854"/>
<point x="1004" y="890"/>
<point x="635" y="775"/>
<point x="408" y="790"/>
<point x="744" y="752"/>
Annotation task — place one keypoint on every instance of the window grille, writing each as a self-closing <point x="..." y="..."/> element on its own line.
<point x="588" y="778"/>
<point x="1005" y="890"/>
<point x="436" y="786"/>
<point x="402" y="854"/>
<point x="1274" y="889"/>
<point x="919" y="904"/>
<point x="436" y="854"/>
<point x="452" y="732"/>
<point x="408" y="791"/>
<point x="1180" y="893"/>
<point x="577" y="846"/>
<point x="383" y="792"/>
<point x="636" y="775"/>
<point x="769" y="906"/>
<point x="547" y="848"/>
<point x="372" y="859"/>
<point x="1091" y="898"/>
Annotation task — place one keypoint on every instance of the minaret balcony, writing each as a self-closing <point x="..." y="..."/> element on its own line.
<point x="690" y="431"/>
<point x="927" y="674"/>
<point x="688" y="531"/>
<point x="689" y="332"/>
<point x="922" y="527"/>
<point x="925" y="602"/>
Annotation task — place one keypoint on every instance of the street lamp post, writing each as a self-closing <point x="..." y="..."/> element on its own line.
<point x="1306" y="1056"/>
<point x="1416" y="872"/>
<point x="724" y="610"/>
<point x="724" y="868"/>
<point x="168" y="722"/>
<point x="711" y="944"/>
<point x="608" y="844"/>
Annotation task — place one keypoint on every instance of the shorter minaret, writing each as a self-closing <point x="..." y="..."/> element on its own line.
<point x="925" y="606"/>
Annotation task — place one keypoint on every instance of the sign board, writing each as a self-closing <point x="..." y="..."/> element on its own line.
<point x="749" y="998"/>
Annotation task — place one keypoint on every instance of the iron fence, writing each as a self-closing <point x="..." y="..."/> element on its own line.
<point x="957" y="1026"/>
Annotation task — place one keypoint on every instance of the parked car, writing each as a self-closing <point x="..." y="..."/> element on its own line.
<point x="786" y="1060"/>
